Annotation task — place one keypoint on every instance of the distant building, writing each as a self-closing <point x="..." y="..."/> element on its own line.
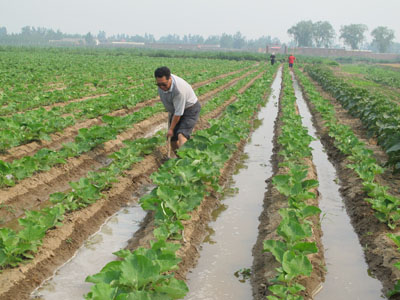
<point x="69" y="41"/>
<point x="128" y="43"/>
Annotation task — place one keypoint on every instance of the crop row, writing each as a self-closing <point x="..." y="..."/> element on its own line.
<point x="386" y="206"/>
<point x="364" y="163"/>
<point x="17" y="246"/>
<point x="38" y="124"/>
<point x="295" y="229"/>
<point x="378" y="114"/>
<point x="181" y="186"/>
<point x="144" y="90"/>
<point x="89" y="138"/>
<point x="37" y="78"/>
<point x="381" y="75"/>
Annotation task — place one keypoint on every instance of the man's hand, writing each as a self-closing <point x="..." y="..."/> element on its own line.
<point x="174" y="121"/>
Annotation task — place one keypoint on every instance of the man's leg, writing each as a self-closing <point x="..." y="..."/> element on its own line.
<point x="181" y="140"/>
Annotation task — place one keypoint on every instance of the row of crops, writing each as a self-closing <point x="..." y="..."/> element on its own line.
<point x="378" y="115"/>
<point x="295" y="230"/>
<point x="37" y="124"/>
<point x="35" y="224"/>
<point x="181" y="186"/>
<point x="89" y="138"/>
<point x="381" y="75"/>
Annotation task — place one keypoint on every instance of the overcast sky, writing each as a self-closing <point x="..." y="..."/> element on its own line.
<point x="253" y="18"/>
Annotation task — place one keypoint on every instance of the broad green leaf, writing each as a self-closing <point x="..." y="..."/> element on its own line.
<point x="137" y="271"/>
<point x="306" y="247"/>
<point x="277" y="248"/>
<point x="102" y="291"/>
<point x="174" y="288"/>
<point x="109" y="273"/>
<point x="296" y="265"/>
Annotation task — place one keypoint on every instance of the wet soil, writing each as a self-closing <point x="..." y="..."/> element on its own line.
<point x="347" y="274"/>
<point x="195" y="228"/>
<point x="264" y="264"/>
<point x="380" y="252"/>
<point x="62" y="242"/>
<point x="233" y="231"/>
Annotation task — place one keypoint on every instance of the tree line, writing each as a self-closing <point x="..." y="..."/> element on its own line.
<point x="304" y="33"/>
<point x="321" y="34"/>
<point x="41" y="36"/>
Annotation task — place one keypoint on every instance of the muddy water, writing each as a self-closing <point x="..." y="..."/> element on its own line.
<point x="69" y="280"/>
<point x="347" y="272"/>
<point x="233" y="231"/>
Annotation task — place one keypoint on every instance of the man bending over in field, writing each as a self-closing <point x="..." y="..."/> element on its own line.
<point x="181" y="103"/>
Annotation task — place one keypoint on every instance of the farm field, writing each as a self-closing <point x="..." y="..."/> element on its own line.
<point x="288" y="189"/>
<point x="378" y="79"/>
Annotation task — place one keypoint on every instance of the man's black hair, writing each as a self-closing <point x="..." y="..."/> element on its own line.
<point x="161" y="72"/>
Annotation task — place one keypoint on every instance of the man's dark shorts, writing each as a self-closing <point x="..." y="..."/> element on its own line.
<point x="187" y="121"/>
<point x="290" y="65"/>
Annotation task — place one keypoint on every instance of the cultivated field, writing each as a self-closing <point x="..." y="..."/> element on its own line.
<point x="82" y="143"/>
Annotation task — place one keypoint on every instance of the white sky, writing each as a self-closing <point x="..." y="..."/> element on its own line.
<point x="253" y="18"/>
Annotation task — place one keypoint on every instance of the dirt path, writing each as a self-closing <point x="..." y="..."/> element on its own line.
<point x="380" y="252"/>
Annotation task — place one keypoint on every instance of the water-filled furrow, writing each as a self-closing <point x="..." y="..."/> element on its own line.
<point x="226" y="253"/>
<point x="68" y="281"/>
<point x="347" y="272"/>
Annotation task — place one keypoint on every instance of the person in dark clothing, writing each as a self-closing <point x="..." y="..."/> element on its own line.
<point x="272" y="58"/>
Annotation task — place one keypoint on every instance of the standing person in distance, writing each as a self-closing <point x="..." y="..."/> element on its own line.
<point x="272" y="58"/>
<point x="291" y="60"/>
<point x="181" y="103"/>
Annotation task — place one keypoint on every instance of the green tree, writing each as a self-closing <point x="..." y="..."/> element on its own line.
<point x="102" y="36"/>
<point x="323" y="34"/>
<point x="226" y="41"/>
<point x="89" y="39"/>
<point x="170" y="39"/>
<point x="212" y="40"/>
<point x="353" y="35"/>
<point x="302" y="33"/>
<point x="383" y="38"/>
<point x="239" y="41"/>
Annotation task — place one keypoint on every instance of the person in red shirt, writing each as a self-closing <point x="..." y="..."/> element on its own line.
<point x="291" y="60"/>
